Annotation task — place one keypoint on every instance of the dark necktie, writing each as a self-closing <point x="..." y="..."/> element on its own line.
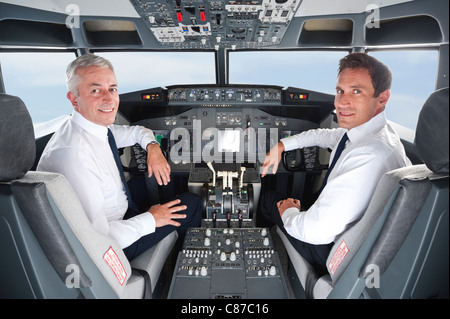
<point x="339" y="150"/>
<point x="115" y="151"/>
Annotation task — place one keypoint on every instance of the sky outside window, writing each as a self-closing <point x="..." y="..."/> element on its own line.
<point x="414" y="75"/>
<point x="39" y="78"/>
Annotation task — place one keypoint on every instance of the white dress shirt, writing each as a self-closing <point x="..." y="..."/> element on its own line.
<point x="372" y="150"/>
<point x="80" y="151"/>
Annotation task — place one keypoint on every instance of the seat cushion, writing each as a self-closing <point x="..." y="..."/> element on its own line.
<point x="301" y="266"/>
<point x="104" y="252"/>
<point x="152" y="261"/>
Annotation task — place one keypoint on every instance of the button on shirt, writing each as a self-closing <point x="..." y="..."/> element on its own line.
<point x="80" y="151"/>
<point x="372" y="150"/>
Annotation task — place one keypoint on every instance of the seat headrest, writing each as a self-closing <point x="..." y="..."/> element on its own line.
<point x="17" y="144"/>
<point x="432" y="132"/>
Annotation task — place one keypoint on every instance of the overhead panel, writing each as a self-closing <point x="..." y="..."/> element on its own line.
<point x="199" y="24"/>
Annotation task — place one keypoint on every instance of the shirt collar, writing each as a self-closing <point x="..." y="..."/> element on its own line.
<point x="373" y="125"/>
<point x="99" y="131"/>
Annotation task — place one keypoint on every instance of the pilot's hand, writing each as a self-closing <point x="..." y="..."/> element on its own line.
<point x="287" y="203"/>
<point x="164" y="213"/>
<point x="157" y="164"/>
<point x="272" y="158"/>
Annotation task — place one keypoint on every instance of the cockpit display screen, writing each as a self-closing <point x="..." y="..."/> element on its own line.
<point x="229" y="140"/>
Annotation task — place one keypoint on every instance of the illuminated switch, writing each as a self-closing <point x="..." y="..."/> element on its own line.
<point x="202" y="15"/>
<point x="179" y="16"/>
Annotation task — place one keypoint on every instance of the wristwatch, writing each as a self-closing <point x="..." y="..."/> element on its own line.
<point x="152" y="142"/>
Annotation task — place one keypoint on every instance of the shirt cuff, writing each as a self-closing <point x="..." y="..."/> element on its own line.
<point x="287" y="217"/>
<point x="289" y="143"/>
<point x="148" y="223"/>
<point x="288" y="213"/>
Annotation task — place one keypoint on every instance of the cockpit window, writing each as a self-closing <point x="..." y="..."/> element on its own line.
<point x="39" y="79"/>
<point x="414" y="79"/>
<point x="312" y="70"/>
<point x="142" y="70"/>
<point x="414" y="75"/>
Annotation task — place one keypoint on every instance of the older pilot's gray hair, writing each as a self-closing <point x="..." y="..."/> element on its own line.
<point x="72" y="78"/>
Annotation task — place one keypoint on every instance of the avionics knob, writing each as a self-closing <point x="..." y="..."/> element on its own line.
<point x="232" y="256"/>
<point x="266" y="241"/>
<point x="272" y="271"/>
<point x="208" y="232"/>
<point x="223" y="256"/>
<point x="207" y="241"/>
<point x="264" y="232"/>
<point x="203" y="271"/>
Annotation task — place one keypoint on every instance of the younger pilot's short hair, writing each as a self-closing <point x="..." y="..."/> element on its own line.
<point x="380" y="73"/>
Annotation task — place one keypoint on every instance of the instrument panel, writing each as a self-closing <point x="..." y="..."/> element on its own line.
<point x="288" y="102"/>
<point x="223" y="123"/>
<point x="228" y="263"/>
<point x="231" y="95"/>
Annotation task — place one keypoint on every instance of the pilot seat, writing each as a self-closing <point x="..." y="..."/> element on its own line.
<point x="400" y="247"/>
<point x="49" y="248"/>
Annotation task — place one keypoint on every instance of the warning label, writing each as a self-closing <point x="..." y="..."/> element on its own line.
<point x="337" y="258"/>
<point x="114" y="262"/>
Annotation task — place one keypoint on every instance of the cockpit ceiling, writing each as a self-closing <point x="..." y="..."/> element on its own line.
<point x="329" y="7"/>
<point x="101" y="8"/>
<point x="125" y="8"/>
<point x="212" y="25"/>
